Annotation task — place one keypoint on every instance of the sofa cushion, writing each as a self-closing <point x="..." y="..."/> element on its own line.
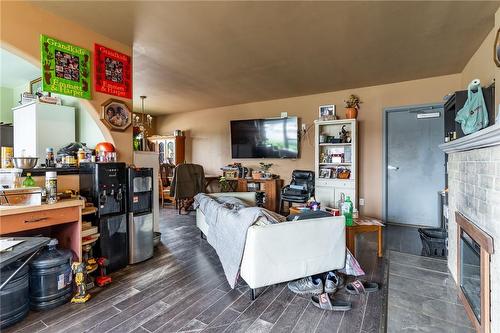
<point x="308" y="214"/>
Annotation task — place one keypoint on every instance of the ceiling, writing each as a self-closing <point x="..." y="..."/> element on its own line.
<point x="15" y="71"/>
<point x="196" y="55"/>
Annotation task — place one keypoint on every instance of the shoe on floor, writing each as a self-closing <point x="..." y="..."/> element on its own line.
<point x="332" y="282"/>
<point x="307" y="285"/>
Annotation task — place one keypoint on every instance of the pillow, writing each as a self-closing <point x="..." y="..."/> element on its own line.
<point x="269" y="217"/>
<point x="231" y="203"/>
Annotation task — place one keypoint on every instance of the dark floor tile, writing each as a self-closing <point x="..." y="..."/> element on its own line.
<point x="309" y="319"/>
<point x="274" y="311"/>
<point x="218" y="307"/>
<point x="290" y="316"/>
<point x="140" y="318"/>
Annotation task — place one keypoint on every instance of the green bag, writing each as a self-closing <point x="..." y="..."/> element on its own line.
<point x="473" y="116"/>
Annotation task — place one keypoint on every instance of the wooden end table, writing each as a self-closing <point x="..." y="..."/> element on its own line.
<point x="364" y="224"/>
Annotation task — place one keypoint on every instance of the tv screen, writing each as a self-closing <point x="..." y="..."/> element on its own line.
<point x="265" y="138"/>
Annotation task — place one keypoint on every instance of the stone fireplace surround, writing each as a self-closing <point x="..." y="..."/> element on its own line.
<point x="474" y="190"/>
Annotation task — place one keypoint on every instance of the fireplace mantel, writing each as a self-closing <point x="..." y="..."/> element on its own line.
<point x="487" y="137"/>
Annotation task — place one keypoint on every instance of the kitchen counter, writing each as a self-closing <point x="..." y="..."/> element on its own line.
<point x="61" y="220"/>
<point x="12" y="210"/>
<point x="73" y="170"/>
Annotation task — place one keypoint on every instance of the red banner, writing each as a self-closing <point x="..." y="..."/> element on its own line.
<point x="112" y="72"/>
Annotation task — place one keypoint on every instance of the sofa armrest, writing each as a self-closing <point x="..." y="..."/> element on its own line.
<point x="291" y="250"/>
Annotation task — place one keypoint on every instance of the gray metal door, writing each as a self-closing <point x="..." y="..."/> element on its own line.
<point x="415" y="165"/>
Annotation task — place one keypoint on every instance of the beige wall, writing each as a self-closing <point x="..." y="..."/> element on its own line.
<point x="481" y="65"/>
<point x="21" y="26"/>
<point x="208" y="141"/>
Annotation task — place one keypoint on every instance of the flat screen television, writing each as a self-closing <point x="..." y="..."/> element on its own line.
<point x="265" y="138"/>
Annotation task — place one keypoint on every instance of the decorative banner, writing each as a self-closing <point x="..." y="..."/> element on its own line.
<point x="112" y="72"/>
<point x="65" y="68"/>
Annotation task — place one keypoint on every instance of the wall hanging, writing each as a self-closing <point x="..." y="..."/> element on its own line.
<point x="115" y="115"/>
<point x="496" y="49"/>
<point x="112" y="72"/>
<point x="65" y="68"/>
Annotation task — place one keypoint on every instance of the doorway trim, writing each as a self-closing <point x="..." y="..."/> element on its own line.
<point x="385" y="118"/>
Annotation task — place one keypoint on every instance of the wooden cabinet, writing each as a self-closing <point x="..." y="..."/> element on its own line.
<point x="61" y="220"/>
<point x="334" y="155"/>
<point x="171" y="149"/>
<point x="270" y="187"/>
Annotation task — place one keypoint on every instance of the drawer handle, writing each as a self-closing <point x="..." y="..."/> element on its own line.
<point x="36" y="220"/>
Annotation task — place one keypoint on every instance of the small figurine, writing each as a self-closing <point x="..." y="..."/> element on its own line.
<point x="80" y="272"/>
<point x="344" y="135"/>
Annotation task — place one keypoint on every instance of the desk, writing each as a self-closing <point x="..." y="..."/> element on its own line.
<point x="61" y="220"/>
<point x="364" y="224"/>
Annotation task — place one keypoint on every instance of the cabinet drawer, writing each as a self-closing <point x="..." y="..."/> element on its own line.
<point x="344" y="184"/>
<point x="336" y="183"/>
<point x="40" y="219"/>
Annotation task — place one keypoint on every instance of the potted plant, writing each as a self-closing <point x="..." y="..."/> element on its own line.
<point x="264" y="170"/>
<point x="352" y="107"/>
<point x="224" y="184"/>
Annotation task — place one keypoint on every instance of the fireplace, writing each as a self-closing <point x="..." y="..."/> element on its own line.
<point x="475" y="247"/>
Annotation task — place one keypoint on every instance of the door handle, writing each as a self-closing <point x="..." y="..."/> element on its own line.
<point x="390" y="167"/>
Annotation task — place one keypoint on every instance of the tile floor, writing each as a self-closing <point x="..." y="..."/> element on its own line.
<point x="423" y="296"/>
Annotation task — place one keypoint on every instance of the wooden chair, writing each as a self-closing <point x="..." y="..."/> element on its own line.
<point x="165" y="194"/>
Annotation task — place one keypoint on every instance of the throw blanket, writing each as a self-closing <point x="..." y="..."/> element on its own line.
<point x="228" y="221"/>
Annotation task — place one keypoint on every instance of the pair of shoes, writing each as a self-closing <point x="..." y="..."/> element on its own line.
<point x="333" y="282"/>
<point x="314" y="285"/>
<point x="307" y="285"/>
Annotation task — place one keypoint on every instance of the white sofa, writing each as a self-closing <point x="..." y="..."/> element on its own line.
<point x="287" y="251"/>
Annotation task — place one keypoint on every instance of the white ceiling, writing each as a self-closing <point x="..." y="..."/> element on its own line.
<point x="15" y="71"/>
<point x="192" y="55"/>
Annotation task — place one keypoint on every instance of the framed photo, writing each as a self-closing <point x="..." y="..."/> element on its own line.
<point x="325" y="173"/>
<point x="496" y="49"/>
<point x="112" y="72"/>
<point x="327" y="112"/>
<point x="65" y="68"/>
<point x="36" y="86"/>
<point x="116" y="115"/>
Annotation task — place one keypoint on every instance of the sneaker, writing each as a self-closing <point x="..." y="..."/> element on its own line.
<point x="332" y="282"/>
<point x="307" y="285"/>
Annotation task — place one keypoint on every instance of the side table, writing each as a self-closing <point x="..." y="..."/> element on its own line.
<point x="364" y="224"/>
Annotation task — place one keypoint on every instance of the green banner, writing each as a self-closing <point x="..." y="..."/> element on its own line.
<point x="65" y="68"/>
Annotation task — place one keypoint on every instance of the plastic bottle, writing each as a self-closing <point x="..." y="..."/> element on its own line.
<point x="347" y="208"/>
<point x="51" y="186"/>
<point x="28" y="181"/>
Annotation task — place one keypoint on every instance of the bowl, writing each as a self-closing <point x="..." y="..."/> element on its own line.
<point x="25" y="162"/>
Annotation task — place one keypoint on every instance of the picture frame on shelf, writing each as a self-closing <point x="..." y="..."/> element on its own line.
<point x="496" y="49"/>
<point x="327" y="112"/>
<point x="116" y="115"/>
<point x="325" y="173"/>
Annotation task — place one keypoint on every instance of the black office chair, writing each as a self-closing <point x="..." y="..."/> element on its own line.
<point x="301" y="188"/>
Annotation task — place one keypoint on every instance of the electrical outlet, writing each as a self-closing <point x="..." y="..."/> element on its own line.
<point x="361" y="202"/>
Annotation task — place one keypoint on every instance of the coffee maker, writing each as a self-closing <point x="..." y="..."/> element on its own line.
<point x="105" y="185"/>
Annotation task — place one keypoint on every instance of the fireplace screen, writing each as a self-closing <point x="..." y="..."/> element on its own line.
<point x="470" y="278"/>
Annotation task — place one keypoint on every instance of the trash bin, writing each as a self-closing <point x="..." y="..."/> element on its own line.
<point x="433" y="242"/>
